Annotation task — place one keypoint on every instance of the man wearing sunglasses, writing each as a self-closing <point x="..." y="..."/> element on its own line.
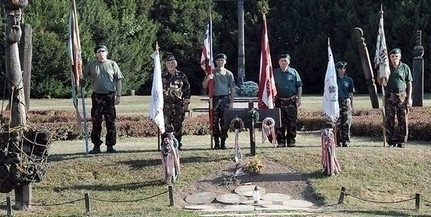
<point x="105" y="77"/>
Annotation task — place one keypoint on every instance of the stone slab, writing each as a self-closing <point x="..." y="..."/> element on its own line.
<point x="232" y="208"/>
<point x="298" y="203"/>
<point x="279" y="207"/>
<point x="200" y="207"/>
<point x="230" y="198"/>
<point x="201" y="198"/>
<point x="275" y="197"/>
<point x="247" y="190"/>
<point x="259" y="203"/>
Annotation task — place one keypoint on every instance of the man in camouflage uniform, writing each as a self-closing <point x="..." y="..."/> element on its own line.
<point x="224" y="92"/>
<point x="176" y="97"/>
<point x="345" y="102"/>
<point x="398" y="100"/>
<point x="288" y="99"/>
<point x="106" y="83"/>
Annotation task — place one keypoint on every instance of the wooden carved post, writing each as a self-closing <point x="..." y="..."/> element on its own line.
<point x="13" y="33"/>
<point x="418" y="71"/>
<point x="366" y="66"/>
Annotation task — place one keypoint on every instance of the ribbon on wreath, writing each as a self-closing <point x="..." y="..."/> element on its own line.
<point x="170" y="158"/>
<point x="268" y="131"/>
<point x="329" y="159"/>
<point x="237" y="125"/>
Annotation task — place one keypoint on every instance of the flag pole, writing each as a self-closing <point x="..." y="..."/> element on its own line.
<point x="159" y="148"/>
<point x="211" y="85"/>
<point x="76" y="51"/>
<point x="383" y="95"/>
<point x="334" y="124"/>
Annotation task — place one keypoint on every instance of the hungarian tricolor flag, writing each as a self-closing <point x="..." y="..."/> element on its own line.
<point x="207" y="66"/>
<point x="267" y="90"/>
<point x="74" y="48"/>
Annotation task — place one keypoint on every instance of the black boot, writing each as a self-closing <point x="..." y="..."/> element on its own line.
<point x="111" y="149"/>
<point x="223" y="143"/>
<point x="96" y="150"/>
<point x="216" y="143"/>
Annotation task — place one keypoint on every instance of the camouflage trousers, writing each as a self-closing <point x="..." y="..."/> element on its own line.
<point x="344" y="121"/>
<point x="396" y="106"/>
<point x="220" y="105"/>
<point x="174" y="115"/>
<point x="289" y="117"/>
<point x="103" y="106"/>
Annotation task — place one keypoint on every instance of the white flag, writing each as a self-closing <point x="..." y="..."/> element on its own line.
<point x="381" y="59"/>
<point x="330" y="94"/>
<point x="156" y="104"/>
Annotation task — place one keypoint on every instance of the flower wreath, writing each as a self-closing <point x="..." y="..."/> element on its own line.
<point x="268" y="123"/>
<point x="236" y="123"/>
<point x="268" y="131"/>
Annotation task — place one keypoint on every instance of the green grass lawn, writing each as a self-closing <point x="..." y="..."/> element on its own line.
<point x="129" y="183"/>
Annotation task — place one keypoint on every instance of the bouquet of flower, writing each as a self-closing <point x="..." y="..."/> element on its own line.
<point x="254" y="166"/>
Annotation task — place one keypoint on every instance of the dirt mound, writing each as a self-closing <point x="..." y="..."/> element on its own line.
<point x="274" y="178"/>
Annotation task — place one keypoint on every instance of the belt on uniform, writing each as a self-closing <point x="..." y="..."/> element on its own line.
<point x="396" y="91"/>
<point x="103" y="94"/>
<point x="286" y="98"/>
<point x="343" y="99"/>
<point x="222" y="96"/>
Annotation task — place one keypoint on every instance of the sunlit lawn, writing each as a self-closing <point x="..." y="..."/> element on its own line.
<point x="129" y="183"/>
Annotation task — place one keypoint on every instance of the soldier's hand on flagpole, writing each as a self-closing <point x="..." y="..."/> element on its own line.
<point x="210" y="76"/>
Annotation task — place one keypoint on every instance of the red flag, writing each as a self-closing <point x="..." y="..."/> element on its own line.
<point x="267" y="90"/>
<point x="207" y="66"/>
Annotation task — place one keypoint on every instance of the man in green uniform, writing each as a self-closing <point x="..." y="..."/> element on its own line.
<point x="105" y="78"/>
<point x="224" y="92"/>
<point x="288" y="99"/>
<point x="345" y="102"/>
<point x="176" y="98"/>
<point x="398" y="100"/>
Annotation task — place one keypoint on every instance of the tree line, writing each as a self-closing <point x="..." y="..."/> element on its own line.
<point x="130" y="29"/>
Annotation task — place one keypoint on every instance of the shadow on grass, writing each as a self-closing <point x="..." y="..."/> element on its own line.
<point x="140" y="163"/>
<point x="121" y="187"/>
<point x="72" y="156"/>
<point x="379" y="213"/>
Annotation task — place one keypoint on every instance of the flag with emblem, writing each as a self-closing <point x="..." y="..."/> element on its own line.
<point x="330" y="94"/>
<point x="156" y="103"/>
<point x="267" y="90"/>
<point x="381" y="59"/>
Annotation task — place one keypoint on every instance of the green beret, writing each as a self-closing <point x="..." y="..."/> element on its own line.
<point x="283" y="55"/>
<point x="340" y="64"/>
<point x="395" y="51"/>
<point x="100" y="47"/>
<point x="169" y="57"/>
<point x="220" y="56"/>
